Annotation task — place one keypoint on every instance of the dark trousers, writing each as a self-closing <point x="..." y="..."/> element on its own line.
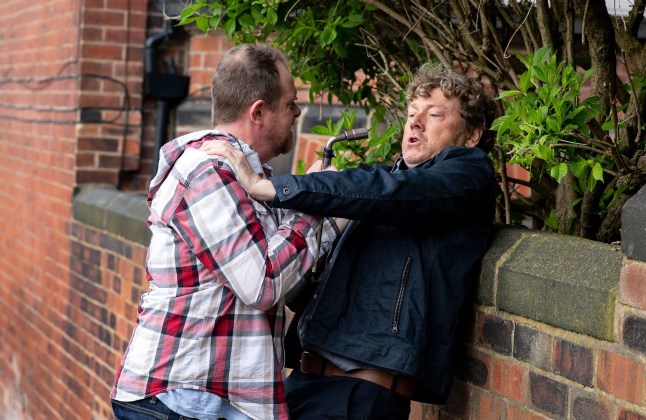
<point x="147" y="409"/>
<point x="340" y="397"/>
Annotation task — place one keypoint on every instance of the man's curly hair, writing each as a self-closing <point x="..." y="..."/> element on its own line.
<point x="476" y="107"/>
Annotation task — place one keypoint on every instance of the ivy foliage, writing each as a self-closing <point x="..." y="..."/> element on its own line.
<point x="564" y="117"/>
<point x="545" y="120"/>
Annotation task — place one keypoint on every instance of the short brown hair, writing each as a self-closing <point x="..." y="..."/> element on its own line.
<point x="476" y="107"/>
<point x="246" y="73"/>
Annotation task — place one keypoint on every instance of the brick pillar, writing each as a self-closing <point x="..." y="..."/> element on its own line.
<point x="111" y="68"/>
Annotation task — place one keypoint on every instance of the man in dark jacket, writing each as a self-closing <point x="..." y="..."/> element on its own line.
<point x="379" y="329"/>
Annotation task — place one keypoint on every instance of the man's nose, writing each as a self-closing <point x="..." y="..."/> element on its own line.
<point x="297" y="111"/>
<point x="415" y="122"/>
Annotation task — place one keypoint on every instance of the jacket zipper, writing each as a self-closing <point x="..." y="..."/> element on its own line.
<point x="400" y="297"/>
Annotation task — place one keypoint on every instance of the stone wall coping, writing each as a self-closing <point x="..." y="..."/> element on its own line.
<point x="560" y="280"/>
<point x="117" y="212"/>
<point x="633" y="234"/>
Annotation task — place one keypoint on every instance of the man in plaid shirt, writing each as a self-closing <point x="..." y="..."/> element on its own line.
<point x="208" y="341"/>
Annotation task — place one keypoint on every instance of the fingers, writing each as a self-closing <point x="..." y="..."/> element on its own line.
<point x="218" y="148"/>
<point x="316" y="167"/>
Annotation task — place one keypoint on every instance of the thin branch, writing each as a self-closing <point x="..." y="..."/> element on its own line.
<point x="517" y="29"/>
<point x="505" y="185"/>
<point x="428" y="42"/>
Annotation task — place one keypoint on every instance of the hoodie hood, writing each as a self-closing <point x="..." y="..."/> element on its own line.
<point x="173" y="150"/>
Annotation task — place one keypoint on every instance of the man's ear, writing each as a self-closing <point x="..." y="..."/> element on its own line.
<point x="474" y="137"/>
<point x="257" y="110"/>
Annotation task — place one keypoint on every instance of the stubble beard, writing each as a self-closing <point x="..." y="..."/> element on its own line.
<point x="286" y="144"/>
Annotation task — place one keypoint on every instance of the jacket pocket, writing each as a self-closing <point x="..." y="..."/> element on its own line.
<point x="403" y="284"/>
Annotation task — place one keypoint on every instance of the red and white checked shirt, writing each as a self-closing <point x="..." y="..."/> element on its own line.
<point x="219" y="267"/>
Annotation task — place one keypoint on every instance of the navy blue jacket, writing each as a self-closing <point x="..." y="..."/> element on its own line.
<point x="394" y="286"/>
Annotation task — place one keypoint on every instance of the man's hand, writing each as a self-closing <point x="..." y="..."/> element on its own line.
<point x="316" y="167"/>
<point x="258" y="188"/>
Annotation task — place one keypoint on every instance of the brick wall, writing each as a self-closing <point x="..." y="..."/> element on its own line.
<point x="107" y="279"/>
<point x="557" y="327"/>
<point x="38" y="48"/>
<point x="112" y="34"/>
<point x="563" y="336"/>
<point x="77" y="131"/>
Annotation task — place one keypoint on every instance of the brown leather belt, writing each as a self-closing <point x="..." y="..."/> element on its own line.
<point x="316" y="365"/>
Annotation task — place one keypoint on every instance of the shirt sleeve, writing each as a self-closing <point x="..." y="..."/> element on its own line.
<point x="260" y="254"/>
<point x="456" y="185"/>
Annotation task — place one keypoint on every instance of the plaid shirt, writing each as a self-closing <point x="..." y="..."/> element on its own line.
<point x="219" y="267"/>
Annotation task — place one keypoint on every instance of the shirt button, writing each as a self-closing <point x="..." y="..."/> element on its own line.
<point x="286" y="191"/>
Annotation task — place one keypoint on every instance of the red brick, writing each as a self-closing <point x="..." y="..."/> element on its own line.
<point x="103" y="51"/>
<point x="459" y="400"/>
<point x="433" y="413"/>
<point x="98" y="144"/>
<point x="97" y="176"/>
<point x="634" y="333"/>
<point x="620" y="376"/>
<point x="416" y="411"/>
<point x="104" y="17"/>
<point x="548" y="395"/>
<point x="474" y="367"/>
<point x="205" y="43"/>
<point x="626" y="414"/>
<point x="518" y="413"/>
<point x="589" y="408"/>
<point x="573" y="361"/>
<point x="509" y="379"/>
<point x="488" y="406"/>
<point x="632" y="284"/>
<point x="496" y="333"/>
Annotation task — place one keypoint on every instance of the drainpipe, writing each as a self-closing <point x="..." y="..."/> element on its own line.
<point x="168" y="88"/>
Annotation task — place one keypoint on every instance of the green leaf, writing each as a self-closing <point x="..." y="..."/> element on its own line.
<point x="353" y="21"/>
<point x="327" y="36"/>
<point x="558" y="172"/>
<point x="229" y="27"/>
<point x="592" y="182"/>
<point x="300" y="167"/>
<point x="190" y="10"/>
<point x="257" y="14"/>
<point x="553" y="124"/>
<point x="540" y="74"/>
<point x="272" y="17"/>
<point x="202" y="23"/>
<point x="214" y="21"/>
<point x="543" y="152"/>
<point x="579" y="168"/>
<point x="246" y="20"/>
<point x="508" y="93"/>
<point x="525" y="81"/>
<point x="525" y="59"/>
<point x="552" y="221"/>
<point x="541" y="55"/>
<point x="320" y="130"/>
<point x="186" y="21"/>
<point x="597" y="172"/>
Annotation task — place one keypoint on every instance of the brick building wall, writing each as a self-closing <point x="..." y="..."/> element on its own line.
<point x="38" y="50"/>
<point x="77" y="133"/>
